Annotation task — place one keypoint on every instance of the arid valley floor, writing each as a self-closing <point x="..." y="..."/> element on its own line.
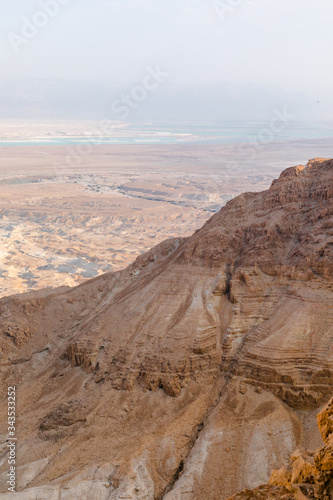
<point x="67" y="216"/>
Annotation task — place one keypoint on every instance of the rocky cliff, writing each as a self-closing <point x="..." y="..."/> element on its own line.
<point x="309" y="475"/>
<point x="193" y="373"/>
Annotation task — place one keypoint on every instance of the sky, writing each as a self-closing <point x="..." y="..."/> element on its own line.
<point x="287" y="43"/>
<point x="283" y="43"/>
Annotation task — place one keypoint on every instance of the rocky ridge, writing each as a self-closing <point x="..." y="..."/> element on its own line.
<point x="191" y="374"/>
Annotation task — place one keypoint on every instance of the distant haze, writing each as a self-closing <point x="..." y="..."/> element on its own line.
<point x="213" y="59"/>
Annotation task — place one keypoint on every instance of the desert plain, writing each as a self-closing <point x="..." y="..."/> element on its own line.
<point x="70" y="213"/>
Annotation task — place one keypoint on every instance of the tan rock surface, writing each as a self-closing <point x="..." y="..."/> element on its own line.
<point x="309" y="476"/>
<point x="193" y="373"/>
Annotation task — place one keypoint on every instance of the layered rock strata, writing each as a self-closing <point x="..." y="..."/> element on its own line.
<point x="193" y="373"/>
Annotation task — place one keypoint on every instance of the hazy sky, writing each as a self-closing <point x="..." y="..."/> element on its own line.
<point x="286" y="43"/>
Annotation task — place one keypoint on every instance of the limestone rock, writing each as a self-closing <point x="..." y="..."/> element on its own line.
<point x="310" y="476"/>
<point x="190" y="373"/>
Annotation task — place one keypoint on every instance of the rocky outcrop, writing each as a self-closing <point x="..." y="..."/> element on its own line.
<point x="309" y="475"/>
<point x="196" y="371"/>
<point x="265" y="493"/>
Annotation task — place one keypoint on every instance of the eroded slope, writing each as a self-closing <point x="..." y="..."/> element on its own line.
<point x="194" y="372"/>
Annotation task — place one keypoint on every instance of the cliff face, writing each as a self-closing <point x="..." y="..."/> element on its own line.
<point x="309" y="475"/>
<point x="191" y="374"/>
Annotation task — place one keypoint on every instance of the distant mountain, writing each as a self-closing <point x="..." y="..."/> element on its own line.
<point x="51" y="99"/>
<point x="60" y="99"/>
